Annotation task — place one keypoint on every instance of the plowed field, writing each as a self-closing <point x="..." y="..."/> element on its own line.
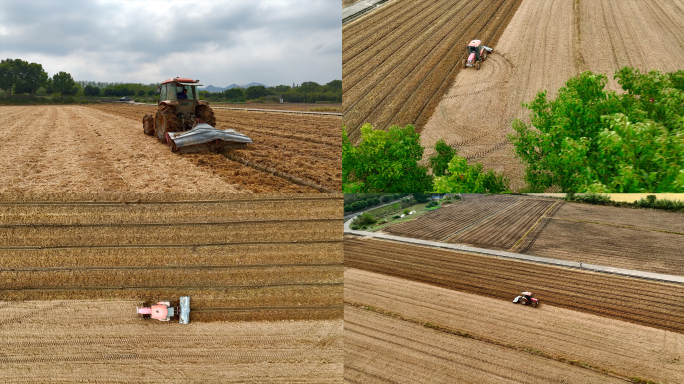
<point x="69" y="341"/>
<point x="488" y="338"/>
<point x="640" y="239"/>
<point x="101" y="148"/>
<point x="400" y="59"/>
<point x="641" y="302"/>
<point x="266" y="257"/>
<point x="544" y="44"/>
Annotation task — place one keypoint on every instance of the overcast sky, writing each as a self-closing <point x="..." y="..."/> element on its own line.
<point x="218" y="42"/>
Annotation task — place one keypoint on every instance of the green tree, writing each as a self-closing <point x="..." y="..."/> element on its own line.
<point x="335" y="84"/>
<point x="151" y="92"/>
<point x="464" y="178"/>
<point x="141" y="93"/>
<point x="63" y="82"/>
<point x="589" y="139"/>
<point x="421" y="197"/>
<point x="440" y="162"/>
<point x="384" y="161"/>
<point x="21" y="75"/>
<point x="89" y="90"/>
<point x="255" y="92"/>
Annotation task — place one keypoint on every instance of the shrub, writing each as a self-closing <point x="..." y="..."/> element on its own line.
<point x="431" y="204"/>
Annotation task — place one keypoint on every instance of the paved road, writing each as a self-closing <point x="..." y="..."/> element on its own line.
<point x="353" y="215"/>
<point x="358" y="7"/>
<point x="519" y="256"/>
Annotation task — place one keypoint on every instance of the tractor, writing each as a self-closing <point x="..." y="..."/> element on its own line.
<point x="163" y="311"/>
<point x="526" y="298"/>
<point x="186" y="123"/>
<point x="477" y="53"/>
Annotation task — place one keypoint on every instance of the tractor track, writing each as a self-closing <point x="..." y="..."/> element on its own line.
<point x="119" y="246"/>
<point x="176" y="287"/>
<point x="175" y="202"/>
<point x="163" y="267"/>
<point x="177" y="224"/>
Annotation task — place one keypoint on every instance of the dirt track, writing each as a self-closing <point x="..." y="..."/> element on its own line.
<point x="400" y="59"/>
<point x="261" y="257"/>
<point x="626" y="349"/>
<point x="61" y="341"/>
<point x="544" y="44"/>
<point x="102" y="149"/>
<point x="640" y="239"/>
<point x="642" y="302"/>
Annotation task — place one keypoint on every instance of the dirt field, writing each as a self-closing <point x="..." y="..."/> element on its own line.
<point x="252" y="257"/>
<point x="641" y="239"/>
<point x="546" y="43"/>
<point x="304" y="107"/>
<point x="484" y="337"/>
<point x="638" y="301"/>
<point x="102" y="149"/>
<point x="400" y="59"/>
<point x="346" y="3"/>
<point x="69" y="341"/>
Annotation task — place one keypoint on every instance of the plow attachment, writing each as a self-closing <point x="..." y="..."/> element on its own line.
<point x="205" y="138"/>
<point x="184" y="310"/>
<point x="517" y="299"/>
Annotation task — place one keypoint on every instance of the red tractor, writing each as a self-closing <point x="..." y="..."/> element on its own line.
<point x="526" y="298"/>
<point x="477" y="53"/>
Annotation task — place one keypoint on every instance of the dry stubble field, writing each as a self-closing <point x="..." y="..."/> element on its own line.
<point x="641" y="239"/>
<point x="104" y="342"/>
<point x="544" y="44"/>
<point x="239" y="257"/>
<point x="399" y="330"/>
<point x="399" y="60"/>
<point x="101" y="148"/>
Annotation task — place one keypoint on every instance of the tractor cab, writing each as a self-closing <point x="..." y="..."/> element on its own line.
<point x="474" y="48"/>
<point x="169" y="94"/>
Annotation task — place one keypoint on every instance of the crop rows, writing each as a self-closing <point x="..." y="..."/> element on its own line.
<point x="504" y="229"/>
<point x="642" y="302"/>
<point x="399" y="60"/>
<point x="278" y="264"/>
<point x="451" y="219"/>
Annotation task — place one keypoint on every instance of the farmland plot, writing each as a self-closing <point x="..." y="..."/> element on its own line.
<point x="546" y="43"/>
<point x="399" y="60"/>
<point x="641" y="302"/>
<point x="250" y="258"/>
<point x="502" y="334"/>
<point x="102" y="149"/>
<point x="63" y="341"/>
<point x="451" y="219"/>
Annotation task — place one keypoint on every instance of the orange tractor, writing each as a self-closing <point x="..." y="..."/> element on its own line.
<point x="477" y="53"/>
<point x="186" y="123"/>
<point x="163" y="311"/>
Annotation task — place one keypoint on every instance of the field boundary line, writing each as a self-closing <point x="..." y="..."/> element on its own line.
<point x="289" y="308"/>
<point x="280" y="111"/>
<point x="518" y="256"/>
<point x="477" y="222"/>
<point x="197" y="223"/>
<point x="178" y="202"/>
<point x="115" y="246"/>
<point x="533" y="227"/>
<point x="182" y="287"/>
<point x="484" y="339"/>
<point x="618" y="225"/>
<point x="158" y="267"/>
<point x="373" y="4"/>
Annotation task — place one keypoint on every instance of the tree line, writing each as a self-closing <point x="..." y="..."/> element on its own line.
<point x="306" y="92"/>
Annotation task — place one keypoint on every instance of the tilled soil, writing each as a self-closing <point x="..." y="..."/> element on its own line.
<point x="640" y="239"/>
<point x="61" y="341"/>
<point x="546" y="43"/>
<point x="302" y="145"/>
<point x="638" y="301"/>
<point x="301" y="107"/>
<point x="381" y="349"/>
<point x="252" y="257"/>
<point x="496" y="336"/>
<point x="400" y="59"/>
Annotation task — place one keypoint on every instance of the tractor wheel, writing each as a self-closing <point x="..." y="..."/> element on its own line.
<point x="166" y="121"/>
<point x="477" y="65"/>
<point x="523" y="301"/>
<point x="484" y="55"/>
<point x="464" y="63"/>
<point x="534" y="305"/>
<point x="148" y="124"/>
<point x="206" y="114"/>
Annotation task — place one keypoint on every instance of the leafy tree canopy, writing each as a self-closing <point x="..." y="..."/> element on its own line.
<point x="440" y="162"/>
<point x="464" y="178"/>
<point x="593" y="140"/>
<point x="384" y="161"/>
<point x="25" y="77"/>
<point x="64" y="83"/>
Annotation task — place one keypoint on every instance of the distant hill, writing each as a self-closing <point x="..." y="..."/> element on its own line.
<point x="213" y="89"/>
